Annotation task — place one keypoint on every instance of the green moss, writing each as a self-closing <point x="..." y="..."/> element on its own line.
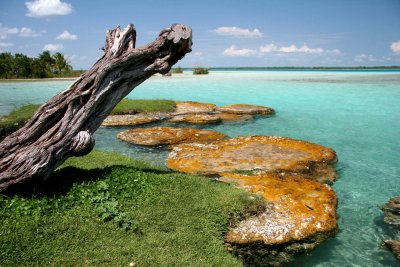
<point x="106" y="209"/>
<point x="132" y="106"/>
<point x="16" y="119"/>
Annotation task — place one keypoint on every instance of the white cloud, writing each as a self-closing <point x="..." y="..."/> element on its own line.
<point x="334" y="52"/>
<point x="23" y="32"/>
<point x="395" y="46"/>
<point x="27" y="32"/>
<point x="244" y="52"/>
<point x="198" y="54"/>
<point x="364" y="57"/>
<point x="304" y="49"/>
<point x="66" y="35"/>
<point x="46" y="8"/>
<point x="53" y="47"/>
<point x="268" y="48"/>
<point x="239" y="32"/>
<point x="5" y="44"/>
<point x="5" y="31"/>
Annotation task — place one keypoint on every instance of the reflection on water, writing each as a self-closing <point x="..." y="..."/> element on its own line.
<point x="356" y="113"/>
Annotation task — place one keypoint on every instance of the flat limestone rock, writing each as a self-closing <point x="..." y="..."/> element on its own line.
<point x="246" y="109"/>
<point x="299" y="209"/>
<point x="168" y="136"/>
<point x="255" y="154"/>
<point x="189" y="107"/>
<point x="392" y="212"/>
<point x="224" y="116"/>
<point x="130" y="120"/>
<point x="196" y="118"/>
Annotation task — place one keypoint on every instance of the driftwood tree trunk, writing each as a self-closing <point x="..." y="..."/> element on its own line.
<point x="64" y="126"/>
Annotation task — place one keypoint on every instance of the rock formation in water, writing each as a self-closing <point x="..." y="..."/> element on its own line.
<point x="196" y="118"/>
<point x="191" y="107"/>
<point x="168" y="136"/>
<point x="256" y="154"/>
<point x="191" y="112"/>
<point x="246" y="109"/>
<point x="391" y="212"/>
<point x="394" y="246"/>
<point x="136" y="119"/>
<point x="300" y="211"/>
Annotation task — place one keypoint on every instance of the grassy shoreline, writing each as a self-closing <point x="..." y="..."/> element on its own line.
<point x="106" y="209"/>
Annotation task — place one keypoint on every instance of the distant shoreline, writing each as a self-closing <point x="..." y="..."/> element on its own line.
<point x="218" y="69"/>
<point x="303" y="68"/>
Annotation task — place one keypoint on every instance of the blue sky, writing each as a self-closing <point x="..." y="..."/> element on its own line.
<point x="225" y="33"/>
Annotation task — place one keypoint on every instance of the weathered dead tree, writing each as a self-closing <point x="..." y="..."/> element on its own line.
<point x="64" y="126"/>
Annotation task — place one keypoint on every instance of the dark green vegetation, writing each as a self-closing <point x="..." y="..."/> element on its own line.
<point x="20" y="116"/>
<point x="44" y="66"/>
<point x="177" y="70"/>
<point x="108" y="210"/>
<point x="16" y="119"/>
<point x="200" y="70"/>
<point x="132" y="106"/>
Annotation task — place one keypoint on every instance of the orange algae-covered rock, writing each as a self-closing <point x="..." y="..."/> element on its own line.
<point x="129" y="120"/>
<point x="253" y="153"/>
<point x="168" y="136"/>
<point x="186" y="107"/>
<point x="299" y="209"/>
<point x="196" y="118"/>
<point x="300" y="212"/>
<point x="246" y="109"/>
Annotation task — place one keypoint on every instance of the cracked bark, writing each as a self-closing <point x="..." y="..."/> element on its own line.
<point x="64" y="126"/>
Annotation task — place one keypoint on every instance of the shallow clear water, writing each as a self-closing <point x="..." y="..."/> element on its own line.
<point x="356" y="113"/>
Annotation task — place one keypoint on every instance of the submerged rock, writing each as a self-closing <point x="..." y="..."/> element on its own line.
<point x="394" y="246"/>
<point x="391" y="212"/>
<point x="188" y="107"/>
<point x="137" y="119"/>
<point x="255" y="154"/>
<point x="196" y="118"/>
<point x="246" y="109"/>
<point x="301" y="214"/>
<point x="168" y="136"/>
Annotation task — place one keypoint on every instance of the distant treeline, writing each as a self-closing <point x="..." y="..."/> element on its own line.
<point x="45" y="65"/>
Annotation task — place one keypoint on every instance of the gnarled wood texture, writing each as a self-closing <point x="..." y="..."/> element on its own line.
<point x="64" y="126"/>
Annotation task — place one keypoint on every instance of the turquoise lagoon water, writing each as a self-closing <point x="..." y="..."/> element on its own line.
<point x="357" y="113"/>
